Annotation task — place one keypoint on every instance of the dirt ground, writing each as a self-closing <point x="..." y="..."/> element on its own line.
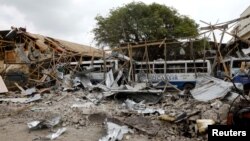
<point x="16" y="130"/>
<point x="84" y="120"/>
<point x="15" y="116"/>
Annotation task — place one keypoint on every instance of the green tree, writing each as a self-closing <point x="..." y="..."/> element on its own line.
<point x="136" y="22"/>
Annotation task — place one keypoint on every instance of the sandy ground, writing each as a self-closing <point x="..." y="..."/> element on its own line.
<point x="16" y="130"/>
<point x="86" y="122"/>
<point x="14" y="118"/>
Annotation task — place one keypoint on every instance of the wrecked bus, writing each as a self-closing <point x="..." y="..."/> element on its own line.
<point x="182" y="73"/>
<point x="97" y="69"/>
<point x="238" y="71"/>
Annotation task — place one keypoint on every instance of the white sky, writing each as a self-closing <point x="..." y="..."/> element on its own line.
<point x="73" y="20"/>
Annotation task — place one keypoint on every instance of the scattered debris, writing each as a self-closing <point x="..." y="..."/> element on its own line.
<point x="30" y="91"/>
<point x="55" y="135"/>
<point x="36" y="97"/>
<point x="39" y="124"/>
<point x="115" y="132"/>
<point x="141" y="108"/>
<point x="84" y="87"/>
<point x="109" y="79"/>
<point x="34" y="124"/>
<point x="174" y="118"/>
<point x="15" y="100"/>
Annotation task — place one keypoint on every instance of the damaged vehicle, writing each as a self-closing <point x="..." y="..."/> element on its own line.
<point x="181" y="74"/>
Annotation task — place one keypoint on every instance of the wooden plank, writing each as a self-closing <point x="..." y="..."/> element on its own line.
<point x="19" y="87"/>
<point x="1" y="65"/>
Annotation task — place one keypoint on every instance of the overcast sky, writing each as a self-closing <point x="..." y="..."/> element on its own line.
<point x="73" y="20"/>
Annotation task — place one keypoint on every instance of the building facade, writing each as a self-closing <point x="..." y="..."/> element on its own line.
<point x="244" y="25"/>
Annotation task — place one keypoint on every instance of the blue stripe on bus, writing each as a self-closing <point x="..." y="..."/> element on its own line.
<point x="178" y="84"/>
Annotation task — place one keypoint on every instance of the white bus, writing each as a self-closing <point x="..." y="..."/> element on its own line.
<point x="238" y="70"/>
<point x="181" y="73"/>
<point x="97" y="72"/>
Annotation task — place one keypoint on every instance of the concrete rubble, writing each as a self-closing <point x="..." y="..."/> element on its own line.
<point x="138" y="109"/>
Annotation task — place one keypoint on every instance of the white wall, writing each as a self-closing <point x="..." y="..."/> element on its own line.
<point x="245" y="24"/>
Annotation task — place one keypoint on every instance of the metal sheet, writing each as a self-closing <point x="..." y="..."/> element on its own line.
<point x="209" y="88"/>
<point x="55" y="135"/>
<point x="3" y="88"/>
<point x="141" y="108"/>
<point x="109" y="79"/>
<point x="115" y="132"/>
<point x="30" y="91"/>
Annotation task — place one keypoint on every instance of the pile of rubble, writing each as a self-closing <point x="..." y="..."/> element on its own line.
<point x="122" y="110"/>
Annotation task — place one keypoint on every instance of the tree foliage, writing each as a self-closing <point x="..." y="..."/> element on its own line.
<point x="136" y="22"/>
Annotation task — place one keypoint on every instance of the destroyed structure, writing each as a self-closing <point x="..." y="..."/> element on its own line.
<point x="32" y="58"/>
<point x="62" y="85"/>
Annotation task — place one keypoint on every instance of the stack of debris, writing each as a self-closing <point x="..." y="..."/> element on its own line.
<point x="126" y="110"/>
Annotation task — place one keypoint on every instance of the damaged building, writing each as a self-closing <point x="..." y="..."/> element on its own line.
<point x="77" y="92"/>
<point x="30" y="58"/>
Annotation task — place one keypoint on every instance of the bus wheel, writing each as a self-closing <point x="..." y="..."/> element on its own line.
<point x="188" y="86"/>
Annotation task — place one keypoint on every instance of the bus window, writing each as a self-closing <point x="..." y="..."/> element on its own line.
<point x="199" y="67"/>
<point x="159" y="68"/>
<point x="190" y="67"/>
<point x="176" y="68"/>
<point x="140" y="68"/>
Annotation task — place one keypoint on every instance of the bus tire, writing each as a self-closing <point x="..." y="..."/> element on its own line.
<point x="188" y="86"/>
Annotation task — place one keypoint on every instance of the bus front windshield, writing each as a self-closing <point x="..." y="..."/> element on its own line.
<point x="240" y="67"/>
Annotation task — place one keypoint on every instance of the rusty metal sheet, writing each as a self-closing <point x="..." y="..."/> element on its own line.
<point x="10" y="56"/>
<point x="3" y="88"/>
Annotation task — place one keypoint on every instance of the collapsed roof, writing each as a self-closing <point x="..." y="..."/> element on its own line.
<point x="29" y="41"/>
<point x="22" y="52"/>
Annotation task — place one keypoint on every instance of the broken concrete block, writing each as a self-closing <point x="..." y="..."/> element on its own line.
<point x="202" y="124"/>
